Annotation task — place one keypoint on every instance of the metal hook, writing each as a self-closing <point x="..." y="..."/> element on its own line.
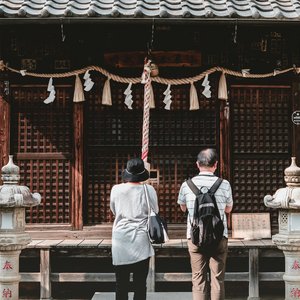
<point x="235" y="31"/>
<point x="63" y="36"/>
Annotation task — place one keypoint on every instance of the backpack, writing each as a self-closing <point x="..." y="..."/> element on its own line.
<point x="207" y="227"/>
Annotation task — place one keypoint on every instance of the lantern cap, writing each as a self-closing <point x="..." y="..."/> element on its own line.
<point x="292" y="174"/>
<point x="10" y="172"/>
<point x="11" y="193"/>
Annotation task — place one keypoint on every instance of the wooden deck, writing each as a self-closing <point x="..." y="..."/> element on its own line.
<point x="165" y="296"/>
<point x="47" y="249"/>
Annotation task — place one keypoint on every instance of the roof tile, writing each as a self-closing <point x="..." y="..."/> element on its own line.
<point x="268" y="9"/>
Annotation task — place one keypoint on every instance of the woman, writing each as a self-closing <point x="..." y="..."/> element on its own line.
<point x="131" y="248"/>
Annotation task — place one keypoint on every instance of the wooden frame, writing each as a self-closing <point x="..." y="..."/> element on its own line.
<point x="254" y="250"/>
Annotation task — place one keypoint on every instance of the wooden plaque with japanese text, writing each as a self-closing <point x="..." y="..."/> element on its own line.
<point x="251" y="226"/>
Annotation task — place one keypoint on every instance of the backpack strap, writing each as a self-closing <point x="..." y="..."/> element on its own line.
<point x="212" y="190"/>
<point x="195" y="190"/>
<point x="192" y="186"/>
<point x="216" y="185"/>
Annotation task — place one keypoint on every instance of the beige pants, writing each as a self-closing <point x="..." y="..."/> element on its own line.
<point x="200" y="266"/>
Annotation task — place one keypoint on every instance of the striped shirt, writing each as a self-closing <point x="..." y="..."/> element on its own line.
<point x="223" y="197"/>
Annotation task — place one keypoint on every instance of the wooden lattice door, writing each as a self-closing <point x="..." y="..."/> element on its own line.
<point x="176" y="136"/>
<point x="42" y="146"/>
<point x="261" y="144"/>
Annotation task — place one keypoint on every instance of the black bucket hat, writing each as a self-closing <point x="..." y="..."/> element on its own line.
<point x="135" y="171"/>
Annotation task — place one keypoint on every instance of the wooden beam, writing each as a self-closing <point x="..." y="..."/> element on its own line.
<point x="187" y="277"/>
<point x="271" y="276"/>
<point x="83" y="277"/>
<point x="43" y="155"/>
<point x="77" y="191"/>
<point x="134" y="59"/>
<point x="159" y="277"/>
<point x="30" y="277"/>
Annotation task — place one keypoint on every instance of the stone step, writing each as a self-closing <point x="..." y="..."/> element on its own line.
<point x="150" y="296"/>
<point x="164" y="296"/>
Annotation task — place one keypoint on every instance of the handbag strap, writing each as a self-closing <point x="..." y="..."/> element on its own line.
<point x="147" y="199"/>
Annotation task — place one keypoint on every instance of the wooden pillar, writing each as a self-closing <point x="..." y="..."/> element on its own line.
<point x="225" y="146"/>
<point x="296" y="128"/>
<point x="77" y="195"/>
<point x="224" y="141"/>
<point x="4" y="122"/>
<point x="151" y="275"/>
<point x="45" y="270"/>
<point x="253" y="274"/>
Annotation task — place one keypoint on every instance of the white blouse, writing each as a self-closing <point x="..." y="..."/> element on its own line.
<point x="130" y="241"/>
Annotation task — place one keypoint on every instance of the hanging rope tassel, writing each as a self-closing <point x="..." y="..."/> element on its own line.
<point x="152" y="100"/>
<point x="78" y="91"/>
<point x="194" y="102"/>
<point x="106" y="94"/>
<point x="222" y="91"/>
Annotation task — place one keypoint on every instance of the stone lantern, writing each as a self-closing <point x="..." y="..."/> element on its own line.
<point x="287" y="200"/>
<point x="13" y="200"/>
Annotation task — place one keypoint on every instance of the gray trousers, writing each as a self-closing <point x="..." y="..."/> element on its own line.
<point x="200" y="266"/>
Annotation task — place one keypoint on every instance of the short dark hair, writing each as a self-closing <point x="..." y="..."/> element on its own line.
<point x="207" y="157"/>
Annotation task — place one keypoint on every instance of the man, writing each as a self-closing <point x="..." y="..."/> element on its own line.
<point x="207" y="164"/>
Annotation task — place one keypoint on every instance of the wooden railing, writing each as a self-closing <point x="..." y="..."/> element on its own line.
<point x="83" y="248"/>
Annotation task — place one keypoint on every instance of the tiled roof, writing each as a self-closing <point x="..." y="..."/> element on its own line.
<point x="267" y="9"/>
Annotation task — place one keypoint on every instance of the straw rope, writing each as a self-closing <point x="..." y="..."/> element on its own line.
<point x="147" y="87"/>
<point x="146" y="114"/>
<point x="166" y="81"/>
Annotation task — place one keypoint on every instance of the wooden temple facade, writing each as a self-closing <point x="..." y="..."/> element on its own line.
<point x="73" y="153"/>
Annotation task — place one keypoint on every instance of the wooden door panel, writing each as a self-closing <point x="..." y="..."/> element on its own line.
<point x="261" y="144"/>
<point x="42" y="146"/>
<point x="176" y="136"/>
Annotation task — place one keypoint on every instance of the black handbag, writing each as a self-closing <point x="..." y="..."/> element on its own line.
<point x="156" y="226"/>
